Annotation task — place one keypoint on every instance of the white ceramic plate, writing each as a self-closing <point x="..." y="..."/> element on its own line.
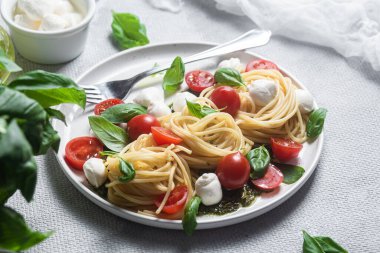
<point x="129" y="62"/>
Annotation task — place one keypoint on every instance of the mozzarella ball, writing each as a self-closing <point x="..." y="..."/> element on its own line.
<point x="149" y="96"/>
<point x="305" y="101"/>
<point x="233" y="63"/>
<point x="179" y="100"/>
<point x="208" y="188"/>
<point x="262" y="91"/>
<point x="95" y="171"/>
<point x="159" y="109"/>
<point x="52" y="22"/>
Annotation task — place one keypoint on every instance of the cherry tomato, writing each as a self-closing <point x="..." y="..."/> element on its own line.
<point x="104" y="105"/>
<point x="176" y="201"/>
<point x="226" y="98"/>
<point x="198" y="80"/>
<point x="285" y="149"/>
<point x="164" y="136"/>
<point x="271" y="180"/>
<point x="260" y="64"/>
<point x="141" y="124"/>
<point x="80" y="149"/>
<point x="233" y="171"/>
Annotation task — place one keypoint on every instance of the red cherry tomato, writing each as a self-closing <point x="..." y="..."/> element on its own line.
<point x="226" y="98"/>
<point x="271" y="180"/>
<point x="141" y="124"/>
<point x="164" y="136"/>
<point x="80" y="149"/>
<point x="233" y="171"/>
<point x="104" y="105"/>
<point x="260" y="64"/>
<point x="198" y="80"/>
<point x="176" y="201"/>
<point x="285" y="149"/>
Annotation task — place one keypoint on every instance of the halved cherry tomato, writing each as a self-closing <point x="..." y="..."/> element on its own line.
<point x="176" y="201"/>
<point x="164" y="136"/>
<point x="227" y="99"/>
<point x="104" y="105"/>
<point x="285" y="149"/>
<point x="141" y="124"/>
<point x="271" y="180"/>
<point x="80" y="149"/>
<point x="233" y="171"/>
<point x="198" y="80"/>
<point x="260" y="64"/>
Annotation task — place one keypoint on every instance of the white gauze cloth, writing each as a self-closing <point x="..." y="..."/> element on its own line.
<point x="351" y="27"/>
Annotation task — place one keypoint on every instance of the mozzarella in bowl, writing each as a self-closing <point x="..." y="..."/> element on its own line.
<point x="47" y="15"/>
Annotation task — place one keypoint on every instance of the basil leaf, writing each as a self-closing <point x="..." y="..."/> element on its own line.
<point x="7" y="64"/>
<point x="174" y="76"/>
<point x="292" y="173"/>
<point x="32" y="119"/>
<point x="113" y="137"/>
<point x="123" y="112"/>
<point x="259" y="159"/>
<point x="53" y="113"/>
<point x="49" y="89"/>
<point x="315" y="122"/>
<point x="310" y="245"/>
<point x="228" y="76"/>
<point x="198" y="110"/>
<point x="18" y="167"/>
<point x="329" y="245"/>
<point x="108" y="153"/>
<point x="127" y="171"/>
<point x="15" y="234"/>
<point x="128" y="31"/>
<point x="189" y="220"/>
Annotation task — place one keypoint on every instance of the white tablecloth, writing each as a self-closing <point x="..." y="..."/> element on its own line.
<point x="340" y="200"/>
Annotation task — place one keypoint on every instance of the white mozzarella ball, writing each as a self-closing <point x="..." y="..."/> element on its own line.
<point x="179" y="100"/>
<point x="305" y="101"/>
<point x="95" y="171"/>
<point x="149" y="96"/>
<point x="208" y="188"/>
<point x="159" y="109"/>
<point x="36" y="9"/>
<point x="262" y="91"/>
<point x="233" y="63"/>
<point x="52" y="22"/>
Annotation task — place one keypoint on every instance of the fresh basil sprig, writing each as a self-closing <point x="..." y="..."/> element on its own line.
<point x="292" y="173"/>
<point x="49" y="89"/>
<point x="320" y="244"/>
<point x="189" y="220"/>
<point x="259" y="159"/>
<point x="15" y="234"/>
<point x="198" y="110"/>
<point x="228" y="76"/>
<point x="174" y="76"/>
<point x="113" y="137"/>
<point x="123" y="112"/>
<point x="127" y="171"/>
<point x="25" y="131"/>
<point x="315" y="122"/>
<point x="7" y="64"/>
<point x="128" y="31"/>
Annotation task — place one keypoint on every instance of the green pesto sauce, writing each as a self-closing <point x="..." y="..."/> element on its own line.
<point x="232" y="201"/>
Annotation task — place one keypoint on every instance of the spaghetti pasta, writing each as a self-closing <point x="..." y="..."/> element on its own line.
<point x="158" y="171"/>
<point x="281" y="117"/>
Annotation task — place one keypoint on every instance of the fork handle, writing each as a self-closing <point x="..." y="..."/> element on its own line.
<point x="253" y="38"/>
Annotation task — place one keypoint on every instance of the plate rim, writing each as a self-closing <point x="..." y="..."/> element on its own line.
<point x="222" y="221"/>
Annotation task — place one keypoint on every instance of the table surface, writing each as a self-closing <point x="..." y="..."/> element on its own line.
<point x="340" y="200"/>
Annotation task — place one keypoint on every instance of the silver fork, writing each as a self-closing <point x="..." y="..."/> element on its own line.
<point x="121" y="88"/>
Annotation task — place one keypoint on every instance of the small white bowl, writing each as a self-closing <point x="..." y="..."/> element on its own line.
<point x="49" y="47"/>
